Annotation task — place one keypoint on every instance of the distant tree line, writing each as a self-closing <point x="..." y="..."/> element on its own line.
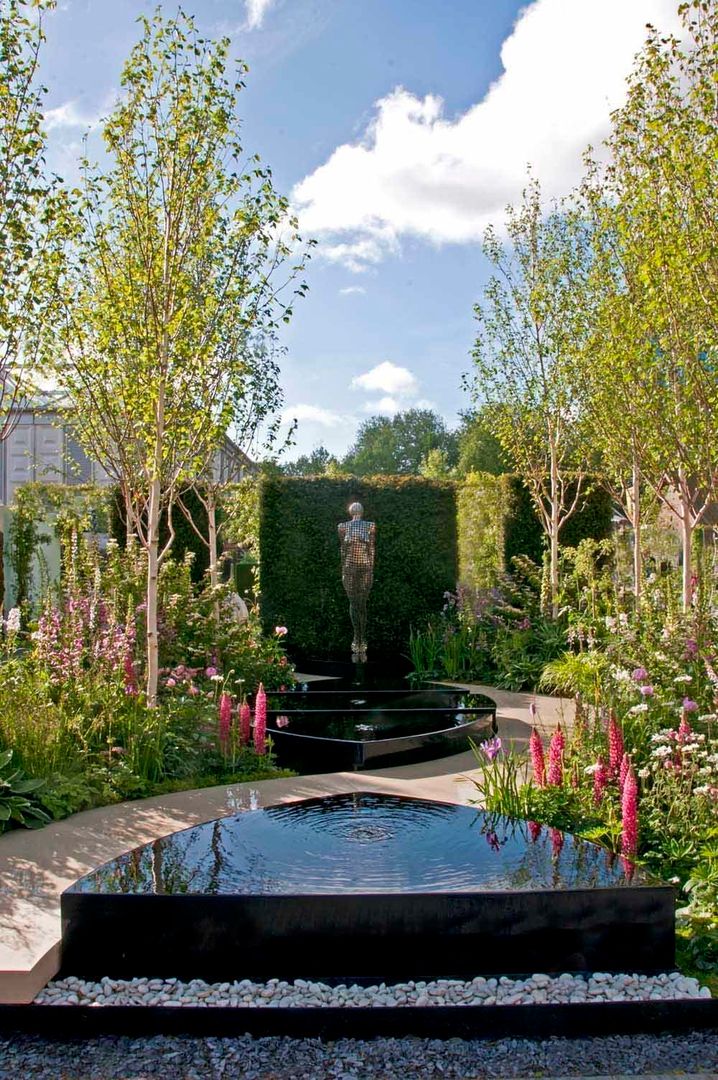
<point x="416" y="442"/>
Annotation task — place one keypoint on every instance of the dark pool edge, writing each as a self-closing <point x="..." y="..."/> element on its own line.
<point x="439" y="1022"/>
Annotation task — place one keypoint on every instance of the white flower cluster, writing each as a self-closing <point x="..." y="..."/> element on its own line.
<point x="688" y="756"/>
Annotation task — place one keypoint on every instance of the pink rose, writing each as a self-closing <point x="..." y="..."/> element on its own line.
<point x="171" y="682"/>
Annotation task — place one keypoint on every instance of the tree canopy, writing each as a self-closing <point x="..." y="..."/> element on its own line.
<point x="399" y="444"/>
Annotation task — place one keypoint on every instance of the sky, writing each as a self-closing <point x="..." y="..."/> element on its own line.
<point x="399" y="129"/>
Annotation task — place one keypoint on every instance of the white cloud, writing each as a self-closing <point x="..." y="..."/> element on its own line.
<point x="361" y="253"/>
<point x="420" y="172"/>
<point x="386" y="406"/>
<point x="256" y="10"/>
<point x="313" y="414"/>
<point x="389" y="378"/>
<point x="352" y="290"/>
<point x="68" y="115"/>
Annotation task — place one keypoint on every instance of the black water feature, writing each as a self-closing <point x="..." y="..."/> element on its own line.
<point x="373" y="721"/>
<point x="366" y="886"/>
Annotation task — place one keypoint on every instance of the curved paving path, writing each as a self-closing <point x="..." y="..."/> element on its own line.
<point x="35" y="867"/>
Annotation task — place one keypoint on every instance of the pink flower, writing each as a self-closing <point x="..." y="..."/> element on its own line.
<point x="615" y="745"/>
<point x="245" y="723"/>
<point x="689" y="705"/>
<point x="280" y="631"/>
<point x="282" y="721"/>
<point x="491" y="748"/>
<point x="556" y="842"/>
<point x="210" y="672"/>
<point x="684" y="728"/>
<point x="260" y="721"/>
<point x="192" y="690"/>
<point x="534" y="831"/>
<point x="691" y="649"/>
<point x="640" y="674"/>
<point x="647" y="690"/>
<point x="600" y="781"/>
<point x="555" y="758"/>
<point x="629" y="815"/>
<point x="625" y="766"/>
<point x="171" y="682"/>
<point x="130" y="676"/>
<point x="537" y="758"/>
<point x="225" y="719"/>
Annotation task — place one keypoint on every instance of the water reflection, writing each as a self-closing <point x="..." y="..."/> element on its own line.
<point x="358" y="843"/>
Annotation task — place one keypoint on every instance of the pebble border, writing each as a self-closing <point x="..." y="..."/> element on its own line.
<point x="537" y="989"/>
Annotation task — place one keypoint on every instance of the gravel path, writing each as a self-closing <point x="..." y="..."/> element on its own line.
<point x="382" y="1059"/>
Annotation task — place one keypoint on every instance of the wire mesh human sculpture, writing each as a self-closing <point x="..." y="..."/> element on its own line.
<point x="357" y="540"/>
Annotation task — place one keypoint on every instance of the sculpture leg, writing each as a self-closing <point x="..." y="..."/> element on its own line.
<point x="355" y="616"/>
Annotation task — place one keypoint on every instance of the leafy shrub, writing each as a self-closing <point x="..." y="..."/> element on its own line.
<point x="497" y="522"/>
<point x="15" y="806"/>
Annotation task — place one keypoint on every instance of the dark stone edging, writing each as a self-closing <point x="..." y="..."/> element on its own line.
<point x="440" y="1022"/>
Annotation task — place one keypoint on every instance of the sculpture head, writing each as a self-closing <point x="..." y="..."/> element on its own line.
<point x="356" y="510"/>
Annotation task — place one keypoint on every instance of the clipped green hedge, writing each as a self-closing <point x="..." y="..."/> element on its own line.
<point x="300" y="568"/>
<point x="497" y="520"/>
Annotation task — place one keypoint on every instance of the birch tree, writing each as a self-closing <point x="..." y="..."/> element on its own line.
<point x="662" y="186"/>
<point x="530" y="329"/>
<point x="32" y="217"/>
<point x="185" y="252"/>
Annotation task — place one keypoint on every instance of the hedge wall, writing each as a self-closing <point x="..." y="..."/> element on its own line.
<point x="300" y="568"/>
<point x="497" y="520"/>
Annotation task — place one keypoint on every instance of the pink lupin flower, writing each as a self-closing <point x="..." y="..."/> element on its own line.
<point x="537" y="758"/>
<point x="600" y="781"/>
<point x="629" y="815"/>
<point x="623" y="773"/>
<point x="260" y="721"/>
<point x="684" y="729"/>
<point x="555" y="758"/>
<point x="245" y="723"/>
<point x="225" y="719"/>
<point x="615" y="745"/>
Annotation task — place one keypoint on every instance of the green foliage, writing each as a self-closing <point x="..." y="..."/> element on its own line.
<point x="399" y="445"/>
<point x="15" y="806"/>
<point x="497" y="523"/>
<point x="32" y="208"/>
<point x="481" y="521"/>
<point x="479" y="447"/>
<point x="25" y="538"/>
<point x="319" y="462"/>
<point x="300" y="571"/>
<point x="497" y="636"/>
<point x="574" y="673"/>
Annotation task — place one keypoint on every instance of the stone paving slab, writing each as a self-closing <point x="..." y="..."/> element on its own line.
<point x="37" y="866"/>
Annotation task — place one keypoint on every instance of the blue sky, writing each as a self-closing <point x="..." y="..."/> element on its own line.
<point x="400" y="129"/>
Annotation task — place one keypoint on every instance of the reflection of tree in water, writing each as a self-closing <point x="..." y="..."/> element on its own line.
<point x="161" y="867"/>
